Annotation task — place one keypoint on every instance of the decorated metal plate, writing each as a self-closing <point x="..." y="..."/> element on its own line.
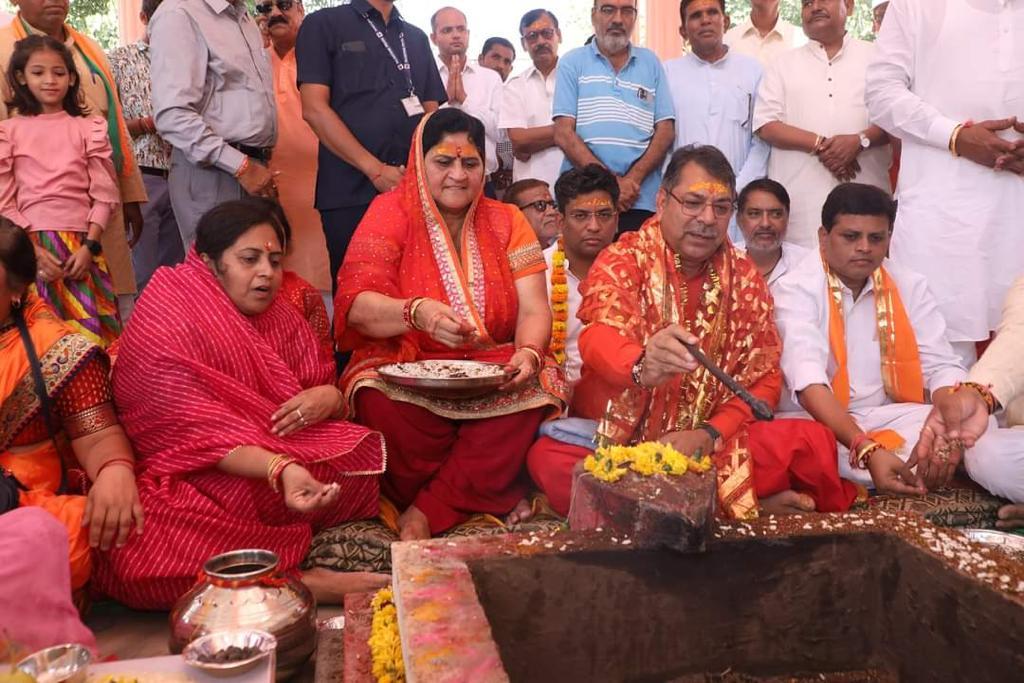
<point x="446" y="378"/>
<point x="1011" y="543"/>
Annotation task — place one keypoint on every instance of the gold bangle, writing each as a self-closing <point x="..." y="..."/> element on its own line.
<point x="865" y="453"/>
<point x="412" y="313"/>
<point x="243" y="167"/>
<point x="953" y="139"/>
<point x="536" y="355"/>
<point x="818" y="142"/>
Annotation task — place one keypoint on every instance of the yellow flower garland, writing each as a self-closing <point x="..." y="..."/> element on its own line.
<point x="610" y="463"/>
<point x="559" y="303"/>
<point x="385" y="642"/>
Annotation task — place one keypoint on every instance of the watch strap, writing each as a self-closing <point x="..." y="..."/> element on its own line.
<point x="712" y="432"/>
<point x="94" y="247"/>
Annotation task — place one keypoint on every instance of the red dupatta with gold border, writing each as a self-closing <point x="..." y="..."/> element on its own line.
<point x="403" y="249"/>
<point x="636" y="288"/>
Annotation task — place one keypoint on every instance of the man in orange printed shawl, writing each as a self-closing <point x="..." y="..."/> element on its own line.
<point x="676" y="280"/>
<point x="865" y="350"/>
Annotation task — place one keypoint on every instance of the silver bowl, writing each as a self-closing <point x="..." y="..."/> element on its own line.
<point x="206" y="647"/>
<point x="1011" y="543"/>
<point x="67" y="663"/>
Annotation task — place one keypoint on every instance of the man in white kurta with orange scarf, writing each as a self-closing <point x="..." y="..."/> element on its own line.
<point x="865" y="349"/>
<point x="940" y="65"/>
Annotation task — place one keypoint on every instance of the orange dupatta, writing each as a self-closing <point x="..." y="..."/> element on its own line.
<point x="901" y="362"/>
<point x="403" y="249"/>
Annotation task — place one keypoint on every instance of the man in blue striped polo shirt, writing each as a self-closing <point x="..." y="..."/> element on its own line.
<point x="612" y="107"/>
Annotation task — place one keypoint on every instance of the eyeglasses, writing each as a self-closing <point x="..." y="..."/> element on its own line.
<point x="611" y="10"/>
<point x="694" y="207"/>
<point x="540" y="206"/>
<point x="534" y="36"/>
<point x="603" y="216"/>
<point x="757" y="214"/>
<point x="268" y="7"/>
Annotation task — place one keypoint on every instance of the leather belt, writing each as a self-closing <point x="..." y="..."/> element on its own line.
<point x="149" y="170"/>
<point x="257" y="153"/>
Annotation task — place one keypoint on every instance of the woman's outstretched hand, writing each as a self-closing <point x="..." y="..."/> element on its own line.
<point x="302" y="492"/>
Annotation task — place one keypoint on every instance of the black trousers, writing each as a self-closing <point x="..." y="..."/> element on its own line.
<point x="339" y="225"/>
<point x="631" y="220"/>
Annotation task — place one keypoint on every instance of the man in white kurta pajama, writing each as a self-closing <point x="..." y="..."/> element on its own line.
<point x="938" y="64"/>
<point x="803" y="311"/>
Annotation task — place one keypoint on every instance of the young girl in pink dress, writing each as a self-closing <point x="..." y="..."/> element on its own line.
<point x="57" y="182"/>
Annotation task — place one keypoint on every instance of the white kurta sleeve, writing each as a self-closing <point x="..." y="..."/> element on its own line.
<point x="1001" y="366"/>
<point x="771" y="97"/>
<point x="892" y="105"/>
<point x="802" y="318"/>
<point x="940" y="365"/>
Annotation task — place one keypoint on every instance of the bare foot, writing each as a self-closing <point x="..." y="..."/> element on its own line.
<point x="522" y="512"/>
<point x="413" y="525"/>
<point x="788" y="503"/>
<point x="1011" y="517"/>
<point x="329" y="587"/>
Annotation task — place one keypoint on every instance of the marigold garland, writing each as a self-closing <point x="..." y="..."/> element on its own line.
<point x="559" y="303"/>
<point x="385" y="642"/>
<point x="610" y="463"/>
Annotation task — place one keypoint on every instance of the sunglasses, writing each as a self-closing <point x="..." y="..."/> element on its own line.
<point x="540" y="206"/>
<point x="268" y="7"/>
<point x="534" y="36"/>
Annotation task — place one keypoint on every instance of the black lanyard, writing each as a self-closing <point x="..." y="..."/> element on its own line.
<point x="404" y="65"/>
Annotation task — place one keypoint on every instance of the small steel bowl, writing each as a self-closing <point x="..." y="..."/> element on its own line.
<point x="207" y="646"/>
<point x="67" y="663"/>
<point x="1011" y="543"/>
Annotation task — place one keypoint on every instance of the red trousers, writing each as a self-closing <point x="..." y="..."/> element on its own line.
<point x="797" y="455"/>
<point x="450" y="469"/>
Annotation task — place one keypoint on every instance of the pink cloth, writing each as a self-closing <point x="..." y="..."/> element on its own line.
<point x="35" y="583"/>
<point x="56" y="172"/>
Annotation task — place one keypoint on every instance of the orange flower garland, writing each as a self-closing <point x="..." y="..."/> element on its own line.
<point x="559" y="303"/>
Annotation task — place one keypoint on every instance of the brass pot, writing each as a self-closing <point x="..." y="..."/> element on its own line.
<point x="243" y="590"/>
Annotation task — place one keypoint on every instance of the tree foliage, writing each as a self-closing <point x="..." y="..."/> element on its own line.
<point x="859" y="23"/>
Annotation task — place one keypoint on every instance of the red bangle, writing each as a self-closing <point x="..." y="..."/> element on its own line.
<point x="128" y="462"/>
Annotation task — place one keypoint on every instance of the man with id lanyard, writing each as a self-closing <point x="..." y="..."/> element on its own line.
<point x="366" y="77"/>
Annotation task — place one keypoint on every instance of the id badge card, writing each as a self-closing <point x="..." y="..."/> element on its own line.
<point x="413" y="106"/>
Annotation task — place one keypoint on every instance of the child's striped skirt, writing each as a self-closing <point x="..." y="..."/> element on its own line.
<point x="89" y="305"/>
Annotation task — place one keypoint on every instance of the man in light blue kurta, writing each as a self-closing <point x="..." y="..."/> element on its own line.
<point x="713" y="91"/>
<point x="612" y="106"/>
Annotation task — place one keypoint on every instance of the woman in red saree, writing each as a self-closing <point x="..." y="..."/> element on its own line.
<point x="229" y="400"/>
<point x="74" y="373"/>
<point x="435" y="270"/>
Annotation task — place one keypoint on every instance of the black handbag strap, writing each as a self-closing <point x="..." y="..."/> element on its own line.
<point x="44" y="398"/>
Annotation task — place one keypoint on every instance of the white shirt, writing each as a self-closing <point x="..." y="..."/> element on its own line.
<point x="803" y="88"/>
<point x="792" y="254"/>
<point x="526" y="103"/>
<point x="714" y="103"/>
<point x="483" y="100"/>
<point x="802" y="314"/>
<point x="573" y="361"/>
<point x="745" y="39"/>
<point x="939" y="63"/>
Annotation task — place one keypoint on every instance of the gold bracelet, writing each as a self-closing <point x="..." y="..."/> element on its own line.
<point x="865" y="454"/>
<point x="818" y="142"/>
<point x="984" y="391"/>
<point x="243" y="167"/>
<point x="412" y="313"/>
<point x="953" y="139"/>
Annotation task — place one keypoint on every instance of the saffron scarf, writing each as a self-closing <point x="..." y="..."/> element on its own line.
<point x="636" y="288"/>
<point x="403" y="249"/>
<point x="117" y="130"/>
<point x="901" y="363"/>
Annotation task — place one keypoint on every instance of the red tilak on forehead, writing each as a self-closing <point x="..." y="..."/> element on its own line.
<point x="269" y="246"/>
<point x="449" y="149"/>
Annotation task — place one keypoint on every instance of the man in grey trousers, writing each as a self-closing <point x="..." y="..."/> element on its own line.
<point x="213" y="101"/>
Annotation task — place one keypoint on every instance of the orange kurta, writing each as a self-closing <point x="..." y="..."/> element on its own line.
<point x="295" y="159"/>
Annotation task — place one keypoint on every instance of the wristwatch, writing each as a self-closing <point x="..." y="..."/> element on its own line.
<point x="711" y="431"/>
<point x="638" y="369"/>
<point x="865" y="141"/>
<point x="94" y="247"/>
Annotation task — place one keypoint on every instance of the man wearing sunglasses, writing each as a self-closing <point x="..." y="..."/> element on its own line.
<point x="365" y="76"/>
<point x="533" y="198"/>
<point x="213" y="98"/>
<point x="613" y="107"/>
<point x="526" y="102"/>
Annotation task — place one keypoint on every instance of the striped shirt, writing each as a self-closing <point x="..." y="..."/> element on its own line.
<point x="615" y="112"/>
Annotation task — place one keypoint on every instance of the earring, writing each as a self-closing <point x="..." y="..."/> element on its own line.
<point x="16" y="304"/>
